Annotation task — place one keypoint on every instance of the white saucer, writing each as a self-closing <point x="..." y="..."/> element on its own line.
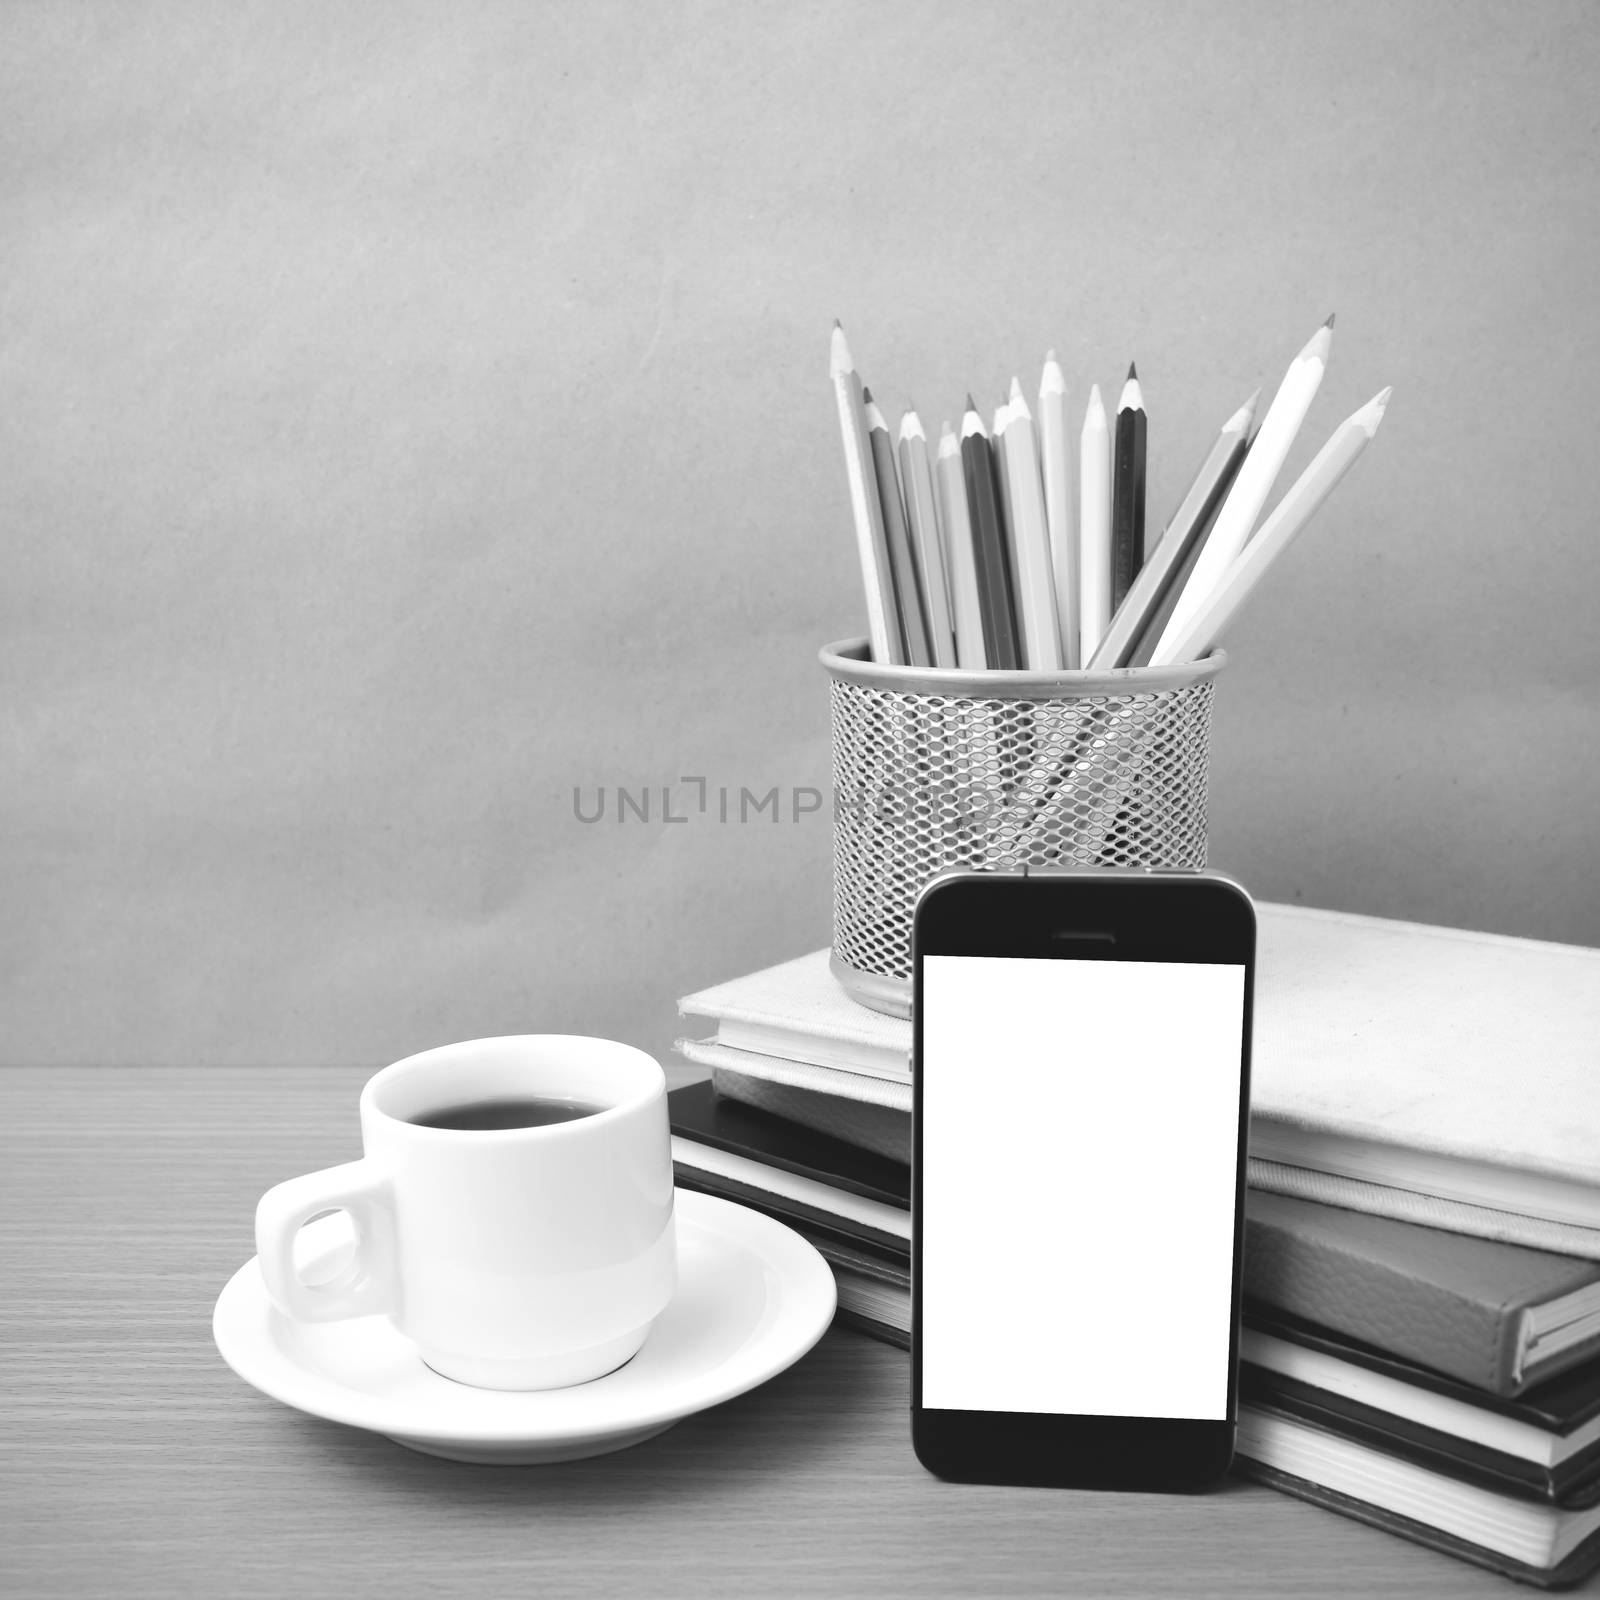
<point x="752" y="1298"/>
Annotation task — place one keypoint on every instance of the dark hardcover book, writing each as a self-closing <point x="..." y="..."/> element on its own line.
<point x="701" y="1116"/>
<point x="884" y="1130"/>
<point x="1544" y="1444"/>
<point x="1561" y="1405"/>
<point x="813" y="1222"/>
<point x="817" y="1184"/>
<point x="1500" y="1317"/>
<point x="1572" y="1484"/>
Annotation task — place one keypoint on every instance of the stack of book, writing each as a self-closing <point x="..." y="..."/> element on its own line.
<point x="1421" y="1347"/>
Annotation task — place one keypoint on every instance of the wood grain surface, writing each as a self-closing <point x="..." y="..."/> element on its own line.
<point x="134" y="1463"/>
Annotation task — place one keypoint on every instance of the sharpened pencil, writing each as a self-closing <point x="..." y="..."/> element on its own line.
<point x="1253" y="484"/>
<point x="1302" y="502"/>
<point x="989" y="544"/>
<point x="1035" y="591"/>
<point x="907" y="590"/>
<point x="956" y="523"/>
<point x="1002" y="483"/>
<point x="1094" y="526"/>
<point x="1150" y="635"/>
<point x="1127" y="490"/>
<point x="916" y="480"/>
<point x="1055" y="457"/>
<point x="1185" y="532"/>
<point x="877" y="581"/>
<point x="1002" y="489"/>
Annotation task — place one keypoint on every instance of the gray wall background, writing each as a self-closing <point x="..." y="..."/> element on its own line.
<point x="413" y="414"/>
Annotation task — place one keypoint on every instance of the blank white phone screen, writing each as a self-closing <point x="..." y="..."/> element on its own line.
<point x="1080" y="1125"/>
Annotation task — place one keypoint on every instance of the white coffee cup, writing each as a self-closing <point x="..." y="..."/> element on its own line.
<point x="514" y="1258"/>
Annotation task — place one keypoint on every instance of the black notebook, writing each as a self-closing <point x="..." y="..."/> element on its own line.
<point x="1544" y="1445"/>
<point x="703" y="1117"/>
<point x="819" y="1184"/>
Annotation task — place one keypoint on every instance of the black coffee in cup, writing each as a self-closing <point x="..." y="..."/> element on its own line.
<point x="492" y="1116"/>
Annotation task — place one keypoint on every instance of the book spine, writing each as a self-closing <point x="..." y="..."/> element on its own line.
<point x="862" y="1322"/>
<point x="1255" y="1459"/>
<point x="1313" y="1276"/>
<point x="880" y="1129"/>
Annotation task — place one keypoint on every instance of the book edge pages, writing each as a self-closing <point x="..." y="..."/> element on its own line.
<point x="1515" y="941"/>
<point x="1578" y="1565"/>
<point x="885" y="1092"/>
<point x="873" y="1027"/>
<point x="1536" y="1535"/>
<point x="1405" y="1205"/>
<point x="842" y="1055"/>
<point x="1521" y="1191"/>
<point x="792" y="1186"/>
<point x="1443" y="1413"/>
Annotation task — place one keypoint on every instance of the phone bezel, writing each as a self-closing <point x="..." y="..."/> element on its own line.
<point x="1150" y="916"/>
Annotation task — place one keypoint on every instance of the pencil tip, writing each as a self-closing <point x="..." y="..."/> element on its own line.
<point x="1318" y="345"/>
<point x="1329" y="322"/>
<point x="1016" y="390"/>
<point x="1049" y="357"/>
<point x="1133" y="369"/>
<point x="1242" y="418"/>
<point x="1367" y="417"/>
<point x="866" y="395"/>
<point x="841" y="362"/>
<point x="972" y="405"/>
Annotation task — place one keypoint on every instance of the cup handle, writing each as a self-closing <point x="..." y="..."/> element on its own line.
<point x="368" y="1283"/>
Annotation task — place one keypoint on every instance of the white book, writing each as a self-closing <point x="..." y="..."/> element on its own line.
<point x="818" y="1078"/>
<point x="1490" y="1429"/>
<point x="1430" y="1074"/>
<point x="1380" y="1488"/>
<point x="797" y="1010"/>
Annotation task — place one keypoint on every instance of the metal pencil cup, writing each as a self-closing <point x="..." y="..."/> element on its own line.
<point x="934" y="769"/>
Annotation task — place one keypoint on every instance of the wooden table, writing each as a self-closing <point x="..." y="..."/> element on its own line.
<point x="133" y="1462"/>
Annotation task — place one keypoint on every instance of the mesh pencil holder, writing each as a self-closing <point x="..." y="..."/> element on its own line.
<point x="934" y="769"/>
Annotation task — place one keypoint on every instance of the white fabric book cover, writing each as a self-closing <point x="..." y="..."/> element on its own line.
<point x="797" y="1009"/>
<point x="1440" y="1076"/>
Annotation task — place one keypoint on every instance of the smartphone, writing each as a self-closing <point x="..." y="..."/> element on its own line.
<point x="1079" y="1124"/>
